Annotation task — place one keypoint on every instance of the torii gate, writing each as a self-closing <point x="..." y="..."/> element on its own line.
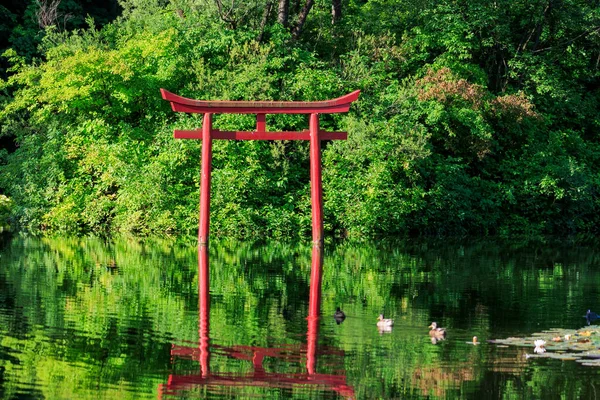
<point x="261" y="108"/>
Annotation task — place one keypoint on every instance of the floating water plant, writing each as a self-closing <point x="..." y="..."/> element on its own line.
<point x="539" y="346"/>
<point x="582" y="345"/>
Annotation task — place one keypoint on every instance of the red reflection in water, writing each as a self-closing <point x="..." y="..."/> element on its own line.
<point x="204" y="309"/>
<point x="258" y="377"/>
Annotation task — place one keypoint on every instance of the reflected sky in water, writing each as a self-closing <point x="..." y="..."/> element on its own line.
<point x="88" y="318"/>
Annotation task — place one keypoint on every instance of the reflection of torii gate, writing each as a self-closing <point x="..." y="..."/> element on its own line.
<point x="261" y="108"/>
<point x="258" y="377"/>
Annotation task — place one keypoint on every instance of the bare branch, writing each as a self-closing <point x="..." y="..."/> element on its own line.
<point x="230" y="10"/>
<point x="537" y="28"/>
<point x="219" y="6"/>
<point x="47" y="13"/>
<point x="568" y="42"/>
<point x="225" y="17"/>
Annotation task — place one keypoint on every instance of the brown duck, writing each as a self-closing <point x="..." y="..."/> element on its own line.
<point x="437" y="332"/>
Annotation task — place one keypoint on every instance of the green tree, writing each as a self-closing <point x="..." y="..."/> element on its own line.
<point x="474" y="117"/>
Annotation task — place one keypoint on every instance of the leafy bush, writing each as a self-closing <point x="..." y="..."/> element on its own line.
<point x="6" y="208"/>
<point x="473" y="119"/>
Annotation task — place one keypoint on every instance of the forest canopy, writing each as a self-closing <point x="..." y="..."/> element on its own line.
<point x="475" y="117"/>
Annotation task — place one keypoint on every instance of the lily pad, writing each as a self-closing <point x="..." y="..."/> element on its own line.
<point x="581" y="345"/>
<point x="589" y="363"/>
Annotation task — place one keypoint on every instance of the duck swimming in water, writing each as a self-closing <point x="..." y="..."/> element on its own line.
<point x="339" y="316"/>
<point x="591" y="316"/>
<point x="384" y="322"/>
<point x="436" y="331"/>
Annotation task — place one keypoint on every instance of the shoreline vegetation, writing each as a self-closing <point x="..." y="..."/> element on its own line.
<point x="475" y="118"/>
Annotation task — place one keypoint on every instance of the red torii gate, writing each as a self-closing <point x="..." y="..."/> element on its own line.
<point x="261" y="108"/>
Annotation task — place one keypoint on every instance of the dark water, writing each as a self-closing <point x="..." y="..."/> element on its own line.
<point x="88" y="319"/>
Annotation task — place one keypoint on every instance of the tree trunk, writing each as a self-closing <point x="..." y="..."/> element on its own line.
<point x="265" y="19"/>
<point x="282" y="13"/>
<point x="336" y="11"/>
<point x="302" y="19"/>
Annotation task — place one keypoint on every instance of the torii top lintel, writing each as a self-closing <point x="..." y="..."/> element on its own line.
<point x="184" y="104"/>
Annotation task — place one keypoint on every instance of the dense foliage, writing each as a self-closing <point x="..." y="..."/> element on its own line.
<point x="474" y="117"/>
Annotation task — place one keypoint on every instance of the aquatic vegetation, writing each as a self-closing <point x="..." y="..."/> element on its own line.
<point x="539" y="346"/>
<point x="582" y="345"/>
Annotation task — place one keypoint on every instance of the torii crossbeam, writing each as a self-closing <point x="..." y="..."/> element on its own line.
<point x="261" y="108"/>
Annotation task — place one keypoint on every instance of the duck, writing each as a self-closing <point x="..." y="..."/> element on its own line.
<point x="339" y="316"/>
<point x="384" y="322"/>
<point x="112" y="267"/>
<point x="436" y="331"/>
<point x="591" y="316"/>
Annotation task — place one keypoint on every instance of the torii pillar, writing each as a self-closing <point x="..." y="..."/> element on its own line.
<point x="260" y="109"/>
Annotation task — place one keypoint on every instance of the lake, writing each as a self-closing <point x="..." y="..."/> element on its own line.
<point x="87" y="318"/>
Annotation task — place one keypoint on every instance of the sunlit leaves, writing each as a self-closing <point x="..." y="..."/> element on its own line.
<point x="482" y="114"/>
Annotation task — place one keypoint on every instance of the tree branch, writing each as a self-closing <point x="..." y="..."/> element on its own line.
<point x="336" y="11"/>
<point x="302" y="18"/>
<point x="265" y="19"/>
<point x="568" y="42"/>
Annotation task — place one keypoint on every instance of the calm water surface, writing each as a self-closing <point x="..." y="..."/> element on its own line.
<point x="87" y="319"/>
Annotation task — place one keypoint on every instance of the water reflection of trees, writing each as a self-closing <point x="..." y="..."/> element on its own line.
<point x="73" y="315"/>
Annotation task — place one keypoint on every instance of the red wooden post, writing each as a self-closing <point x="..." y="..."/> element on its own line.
<point x="205" y="181"/>
<point x="204" y="310"/>
<point x="261" y="123"/>
<point x="316" y="189"/>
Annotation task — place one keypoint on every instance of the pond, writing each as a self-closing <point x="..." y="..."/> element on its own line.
<point x="87" y="318"/>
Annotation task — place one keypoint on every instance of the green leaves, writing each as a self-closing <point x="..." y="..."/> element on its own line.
<point x="473" y="117"/>
<point x="6" y="206"/>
